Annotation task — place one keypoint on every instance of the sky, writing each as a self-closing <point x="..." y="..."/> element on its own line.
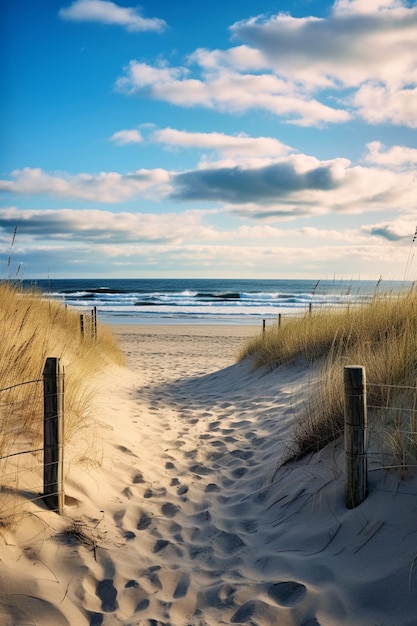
<point x="267" y="139"/>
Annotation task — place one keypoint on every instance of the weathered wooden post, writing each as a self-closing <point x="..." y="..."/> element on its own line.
<point x="94" y="331"/>
<point x="53" y="456"/>
<point x="355" y="435"/>
<point x="263" y="325"/>
<point x="82" y="325"/>
<point x="310" y="308"/>
<point x="279" y="319"/>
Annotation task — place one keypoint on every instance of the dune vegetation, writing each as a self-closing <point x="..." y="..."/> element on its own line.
<point x="32" y="329"/>
<point x="382" y="337"/>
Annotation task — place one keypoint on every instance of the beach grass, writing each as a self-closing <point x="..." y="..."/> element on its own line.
<point x="382" y="337"/>
<point x="32" y="329"/>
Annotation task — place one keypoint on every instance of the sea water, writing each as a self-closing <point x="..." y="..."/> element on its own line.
<point x="207" y="300"/>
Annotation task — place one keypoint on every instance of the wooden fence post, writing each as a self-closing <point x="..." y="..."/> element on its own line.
<point x="94" y="331"/>
<point x="53" y="394"/>
<point x="279" y="319"/>
<point x="82" y="325"/>
<point x="263" y="325"/>
<point x="355" y="435"/>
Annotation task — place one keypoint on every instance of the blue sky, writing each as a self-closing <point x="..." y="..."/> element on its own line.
<point x="238" y="139"/>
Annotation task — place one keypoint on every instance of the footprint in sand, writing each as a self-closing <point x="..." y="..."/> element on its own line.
<point x="142" y="606"/>
<point x="182" y="587"/>
<point x="200" y="470"/>
<point x="239" y="472"/>
<point x="255" y="609"/>
<point x="286" y="593"/>
<point x="218" y="444"/>
<point x="160" y="545"/>
<point x="244" y="613"/>
<point x="152" y="576"/>
<point x="245" y="455"/>
<point x="96" y="619"/>
<point x="118" y="516"/>
<point x="169" y="510"/>
<point x="127" y="493"/>
<point x="144" y="521"/>
<point x="129" y="535"/>
<point x="107" y="593"/>
<point x="212" y="488"/>
<point x="137" y="478"/>
<point x="125" y="450"/>
<point x="228" y="543"/>
<point x="158" y="492"/>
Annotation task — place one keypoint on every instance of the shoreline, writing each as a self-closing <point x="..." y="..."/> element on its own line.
<point x="235" y="330"/>
<point x="112" y="320"/>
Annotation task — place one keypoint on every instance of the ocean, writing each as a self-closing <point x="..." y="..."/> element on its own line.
<point x="123" y="301"/>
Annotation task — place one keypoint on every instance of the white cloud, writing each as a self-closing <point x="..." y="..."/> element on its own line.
<point x="370" y="46"/>
<point x="349" y="47"/>
<point x="378" y="104"/>
<point x="400" y="229"/>
<point x="228" y="91"/>
<point x="360" y="60"/>
<point x="106" y="12"/>
<point x="349" y="7"/>
<point x="123" y="137"/>
<point x="98" y="226"/>
<point x="122" y="242"/>
<point x="238" y="146"/>
<point x="257" y="187"/>
<point x="394" y="157"/>
<point x="103" y="187"/>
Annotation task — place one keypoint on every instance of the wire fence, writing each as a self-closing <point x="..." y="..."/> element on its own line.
<point x="393" y="428"/>
<point x="27" y="460"/>
<point x="31" y="438"/>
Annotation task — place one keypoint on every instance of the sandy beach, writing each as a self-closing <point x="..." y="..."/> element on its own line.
<point x="178" y="511"/>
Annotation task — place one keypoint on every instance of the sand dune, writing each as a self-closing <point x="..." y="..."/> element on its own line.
<point x="190" y="520"/>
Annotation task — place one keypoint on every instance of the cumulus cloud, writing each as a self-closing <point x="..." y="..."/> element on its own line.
<point x="348" y="47"/>
<point x="359" y="60"/>
<point x="122" y="242"/>
<point x="99" y="226"/>
<point x="102" y="187"/>
<point x="228" y="91"/>
<point x="394" y="157"/>
<point x="262" y="185"/>
<point x="238" y="146"/>
<point x="259" y="188"/>
<point x="124" y="137"/>
<point x="378" y="104"/>
<point x="106" y="12"/>
<point x="400" y="229"/>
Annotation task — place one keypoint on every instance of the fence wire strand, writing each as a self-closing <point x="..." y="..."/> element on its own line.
<point x="22" y="422"/>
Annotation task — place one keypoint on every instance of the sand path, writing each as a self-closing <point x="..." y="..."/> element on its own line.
<point x="189" y="521"/>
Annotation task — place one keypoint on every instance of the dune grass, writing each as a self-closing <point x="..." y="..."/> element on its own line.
<point x="32" y="329"/>
<point x="382" y="337"/>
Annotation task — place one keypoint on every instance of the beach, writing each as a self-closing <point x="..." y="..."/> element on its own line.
<point x="180" y="512"/>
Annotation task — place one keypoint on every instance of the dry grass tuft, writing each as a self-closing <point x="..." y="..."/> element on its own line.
<point x="32" y="329"/>
<point x="381" y="336"/>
